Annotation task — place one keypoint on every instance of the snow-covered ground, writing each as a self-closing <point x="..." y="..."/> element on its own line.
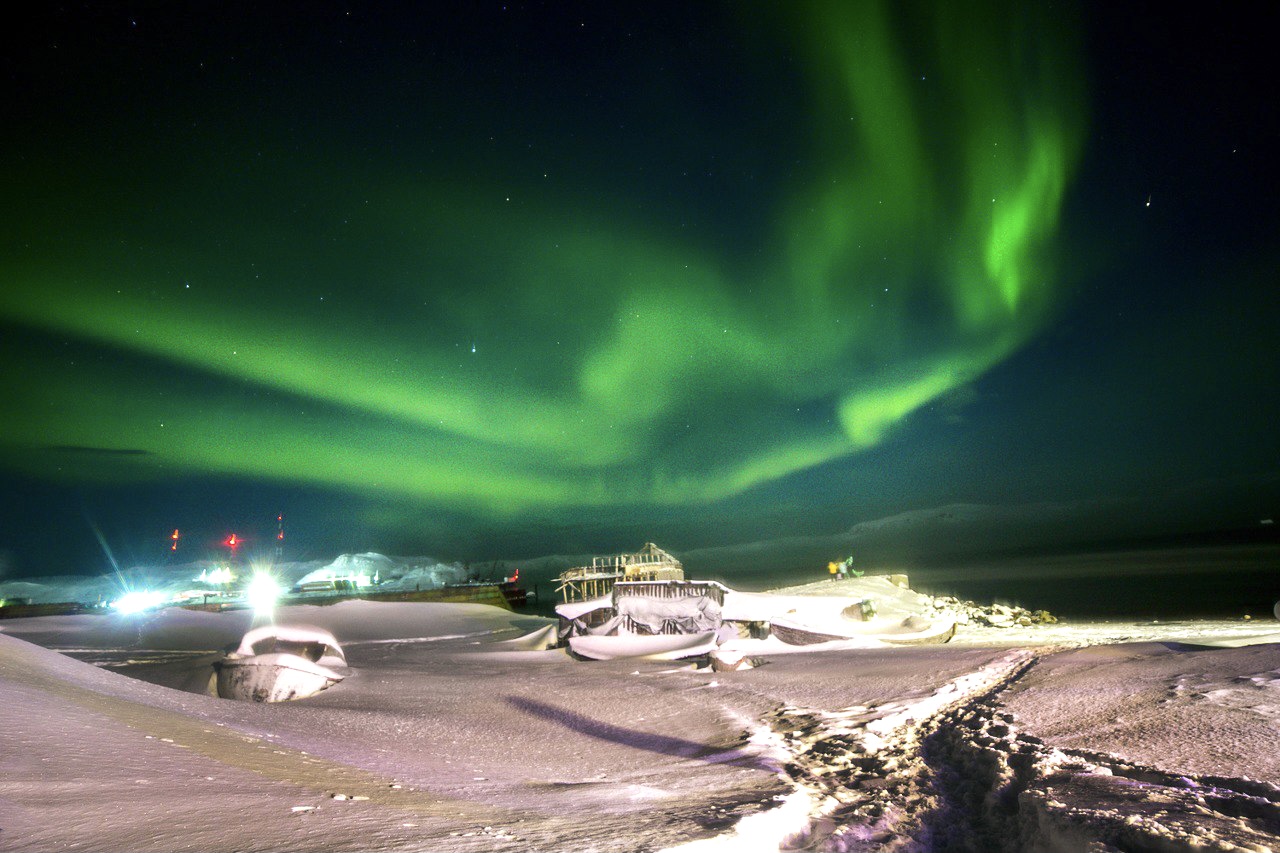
<point x="447" y="736"/>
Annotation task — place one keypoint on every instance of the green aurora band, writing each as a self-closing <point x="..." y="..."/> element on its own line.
<point x="614" y="362"/>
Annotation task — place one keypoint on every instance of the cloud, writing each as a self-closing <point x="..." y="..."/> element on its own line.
<point x="98" y="451"/>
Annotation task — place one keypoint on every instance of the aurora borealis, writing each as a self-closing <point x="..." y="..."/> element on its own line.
<point x="512" y="266"/>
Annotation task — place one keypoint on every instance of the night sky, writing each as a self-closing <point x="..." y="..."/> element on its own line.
<point x="510" y="279"/>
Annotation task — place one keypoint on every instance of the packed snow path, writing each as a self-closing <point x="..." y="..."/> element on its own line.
<point x="954" y="772"/>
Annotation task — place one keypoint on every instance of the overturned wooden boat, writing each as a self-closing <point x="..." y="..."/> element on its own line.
<point x="277" y="663"/>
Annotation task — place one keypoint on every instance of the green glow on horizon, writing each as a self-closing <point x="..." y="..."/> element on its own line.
<point x="614" y="362"/>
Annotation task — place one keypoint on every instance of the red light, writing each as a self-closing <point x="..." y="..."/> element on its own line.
<point x="232" y="541"/>
<point x="280" y="535"/>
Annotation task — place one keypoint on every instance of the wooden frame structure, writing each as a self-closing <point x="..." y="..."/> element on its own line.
<point x="650" y="563"/>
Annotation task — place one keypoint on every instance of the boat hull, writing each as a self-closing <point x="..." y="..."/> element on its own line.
<point x="797" y="635"/>
<point x="655" y="647"/>
<point x="271" y="678"/>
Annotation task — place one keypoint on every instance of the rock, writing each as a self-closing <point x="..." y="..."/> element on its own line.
<point x="993" y="615"/>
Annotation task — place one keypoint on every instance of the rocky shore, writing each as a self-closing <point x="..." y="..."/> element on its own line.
<point x="989" y="615"/>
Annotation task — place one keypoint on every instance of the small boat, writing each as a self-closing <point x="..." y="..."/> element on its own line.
<point x="277" y="663"/>
<point x="653" y="647"/>
<point x="912" y="631"/>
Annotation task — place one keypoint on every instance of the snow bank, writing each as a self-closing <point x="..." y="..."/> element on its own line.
<point x="1204" y="711"/>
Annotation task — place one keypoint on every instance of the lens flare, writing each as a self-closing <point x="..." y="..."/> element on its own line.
<point x="138" y="601"/>
<point x="262" y="592"/>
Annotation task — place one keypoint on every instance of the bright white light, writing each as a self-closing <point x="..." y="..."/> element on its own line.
<point x="136" y="602"/>
<point x="219" y="575"/>
<point x="262" y="592"/>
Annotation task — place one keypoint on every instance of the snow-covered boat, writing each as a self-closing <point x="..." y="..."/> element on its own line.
<point x="911" y="631"/>
<point x="674" y="619"/>
<point x="277" y="663"/>
<point x="653" y="647"/>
